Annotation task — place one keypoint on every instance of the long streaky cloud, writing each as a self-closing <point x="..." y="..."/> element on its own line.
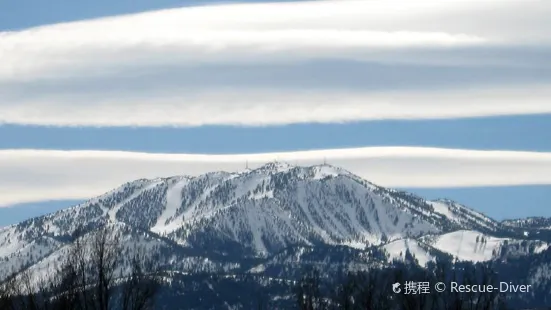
<point x="267" y="32"/>
<point x="38" y="175"/>
<point x="281" y="63"/>
<point x="250" y="108"/>
<point x="212" y="34"/>
<point x="257" y="108"/>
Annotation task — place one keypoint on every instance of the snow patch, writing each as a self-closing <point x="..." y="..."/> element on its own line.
<point x="173" y="202"/>
<point x="397" y="251"/>
<point x="469" y="245"/>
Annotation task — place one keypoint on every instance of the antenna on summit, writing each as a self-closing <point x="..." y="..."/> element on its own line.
<point x="325" y="161"/>
<point x="247" y="165"/>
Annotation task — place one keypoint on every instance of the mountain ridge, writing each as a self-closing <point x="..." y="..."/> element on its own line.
<point x="272" y="221"/>
<point x="120" y="202"/>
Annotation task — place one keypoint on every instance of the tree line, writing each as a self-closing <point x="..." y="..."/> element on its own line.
<point x="373" y="289"/>
<point x="91" y="276"/>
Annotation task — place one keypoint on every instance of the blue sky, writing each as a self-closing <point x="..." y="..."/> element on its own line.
<point x="30" y="13"/>
<point x="449" y="87"/>
<point x="524" y="133"/>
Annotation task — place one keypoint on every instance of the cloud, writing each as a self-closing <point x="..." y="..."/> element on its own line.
<point x="281" y="63"/>
<point x="208" y="34"/>
<point x="38" y="175"/>
<point x="268" y="107"/>
<point x="267" y="33"/>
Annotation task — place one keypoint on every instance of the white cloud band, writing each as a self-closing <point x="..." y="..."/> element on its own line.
<point x="265" y="32"/>
<point x="249" y="108"/>
<point x="233" y="33"/>
<point x="236" y="32"/>
<point x="37" y="175"/>
<point x="88" y="73"/>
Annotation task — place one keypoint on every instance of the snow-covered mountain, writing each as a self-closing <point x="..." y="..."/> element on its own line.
<point x="262" y="211"/>
<point x="270" y="221"/>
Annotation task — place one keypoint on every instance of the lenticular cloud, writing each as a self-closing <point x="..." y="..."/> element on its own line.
<point x="231" y="33"/>
<point x="53" y="175"/>
<point x="267" y="107"/>
<point x="142" y="69"/>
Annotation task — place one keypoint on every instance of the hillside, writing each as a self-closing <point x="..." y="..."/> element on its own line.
<point x="271" y="222"/>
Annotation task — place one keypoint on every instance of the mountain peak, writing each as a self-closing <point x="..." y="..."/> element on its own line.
<point x="259" y="213"/>
<point x="314" y="172"/>
<point x="276" y="166"/>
